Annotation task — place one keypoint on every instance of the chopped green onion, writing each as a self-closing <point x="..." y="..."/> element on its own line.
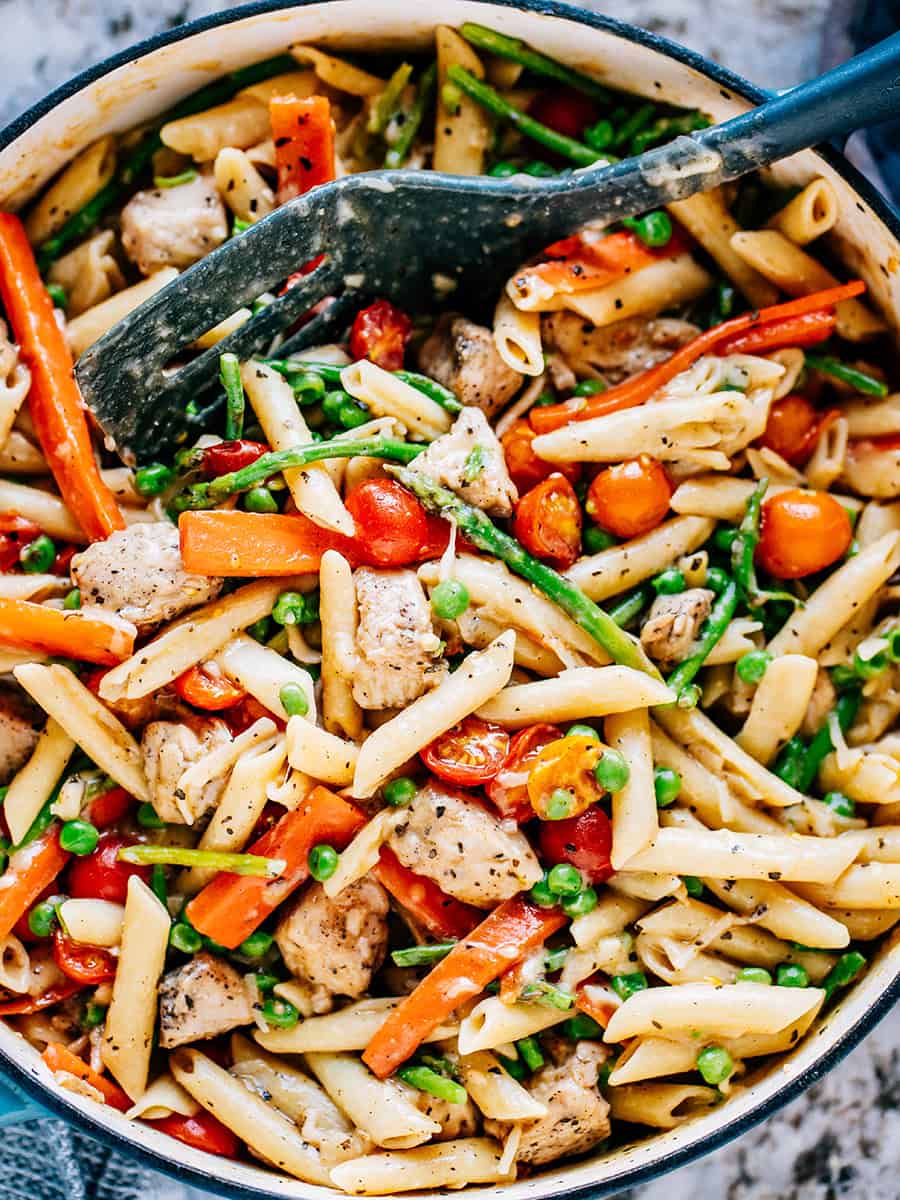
<point x="421" y="956"/>
<point x="626" y="985"/>
<point x="213" y="860"/>
<point x="430" y="1081"/>
<point x="529" y="1049"/>
<point x="170" y="181"/>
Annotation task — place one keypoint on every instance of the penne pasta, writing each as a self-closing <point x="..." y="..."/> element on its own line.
<point x="634" y="814"/>
<point x="320" y="754"/>
<point x="580" y="692"/>
<point x="492" y="1024"/>
<point x="451" y="1164"/>
<point x="80" y="182"/>
<point x="42" y="509"/>
<point x="663" y="285"/>
<point x="517" y="336"/>
<point x="241" y="123"/>
<point x="94" y="922"/>
<point x="779" y="705"/>
<point x="387" y="396"/>
<point x="91" y="324"/>
<point x="163" y="1098"/>
<point x="662" y="1105"/>
<point x="263" y="673"/>
<point x="337" y="614"/>
<point x="496" y="1093"/>
<point x="34" y="784"/>
<point x="622" y="567"/>
<point x="349" y="1028"/>
<point x="864" y="885"/>
<point x="382" y="1108"/>
<point x="810" y="214"/>
<point x="461" y="132"/>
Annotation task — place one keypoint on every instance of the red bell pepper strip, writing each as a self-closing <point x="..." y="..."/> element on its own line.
<point x="304" y="143"/>
<point x="807" y="329"/>
<point x="442" y="915"/>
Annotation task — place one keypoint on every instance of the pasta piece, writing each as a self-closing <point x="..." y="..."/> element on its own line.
<point x="219" y="332"/>
<point x="708" y="220"/>
<point x="496" y="1093"/>
<point x="94" y="922"/>
<point x="90" y="325"/>
<point x="665" y="284"/>
<point x="612" y="914"/>
<point x="724" y="498"/>
<point x="15" y="965"/>
<point x="863" y="774"/>
<point x="493" y="1023"/>
<point x="33" y="786"/>
<point x="779" y="910"/>
<point x="873" y="418"/>
<point x="337" y="615"/>
<point x="881" y="843"/>
<point x="734" y="643"/>
<point x="779" y="705"/>
<point x="382" y="1108"/>
<point x="451" y="1164"/>
<point x="387" y="396"/>
<point x="320" y="754"/>
<point x="337" y="73"/>
<point x="634" y="813"/>
<point x="89" y="274"/>
<point x="479" y="631"/>
<point x="193" y="639"/>
<point x="191" y="788"/>
<point x="128" y="1035"/>
<point x="163" y="1098"/>
<point x="240" y="122"/>
<point x="18" y="456"/>
<point x="263" y="672"/>
<point x="15" y="382"/>
<point x="478" y="678"/>
<point x="865" y="924"/>
<point x="358" y="859"/>
<point x="575" y="694"/>
<point x="810" y="214"/>
<point x="622" y="567"/>
<point x="461" y="134"/>
<point x="32" y="587"/>
<point x="517" y="336"/>
<point x="647" y="885"/>
<point x="242" y="187"/>
<point x="41" y="508"/>
<point x="89" y="724"/>
<point x="350" y="1028"/>
<point x="662" y="1105"/>
<point x="865" y="885"/>
<point x="80" y="182"/>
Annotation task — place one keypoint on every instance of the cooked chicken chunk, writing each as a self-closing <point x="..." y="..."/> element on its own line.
<point x="871" y="470"/>
<point x="470" y="461"/>
<point x="673" y="623"/>
<point x="336" y="945"/>
<point x="20" y="725"/>
<point x="465" y="849"/>
<point x="578" y="1116"/>
<point x="138" y="573"/>
<point x="200" y="1000"/>
<point x="396" y="645"/>
<point x="168" y="749"/>
<point x="462" y="356"/>
<point x="455" y="1120"/>
<point x="821" y="702"/>
<point x="618" y="350"/>
<point x="173" y="227"/>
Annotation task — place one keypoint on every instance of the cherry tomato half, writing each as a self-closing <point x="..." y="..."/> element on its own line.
<point x="508" y="790"/>
<point x="525" y="468"/>
<point x="565" y="765"/>
<point x="630" y="498"/>
<point x="380" y="333"/>
<point x="87" y="965"/>
<point x="224" y="457"/>
<point x="15" y="533"/>
<point x="203" y="689"/>
<point x="203" y="1131"/>
<point x="584" y="841"/>
<point x="391" y="528"/>
<point x="470" y="753"/>
<point x="100" y="875"/>
<point x="801" y="533"/>
<point x="110" y="807"/>
<point x="565" y="110"/>
<point x="794" y="427"/>
<point x="548" y="521"/>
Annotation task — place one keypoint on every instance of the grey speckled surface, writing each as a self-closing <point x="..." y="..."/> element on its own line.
<point x="841" y="1140"/>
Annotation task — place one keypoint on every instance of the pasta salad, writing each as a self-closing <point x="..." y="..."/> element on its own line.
<point x="477" y="745"/>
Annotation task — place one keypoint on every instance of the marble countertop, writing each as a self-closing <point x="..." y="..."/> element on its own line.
<point x="842" y="1139"/>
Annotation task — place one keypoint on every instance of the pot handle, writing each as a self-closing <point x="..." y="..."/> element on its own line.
<point x="15" y="1107"/>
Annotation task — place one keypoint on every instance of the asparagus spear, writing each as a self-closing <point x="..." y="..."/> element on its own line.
<point x="860" y="380"/>
<point x="399" y="152"/>
<point x="716" y="623"/>
<point x="215" y="860"/>
<point x="541" y="64"/>
<point x="230" y="376"/>
<point x="847" y="707"/>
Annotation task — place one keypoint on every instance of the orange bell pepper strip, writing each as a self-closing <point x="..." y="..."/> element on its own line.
<point x="596" y="998"/>
<point x="30" y="870"/>
<point x="506" y="935"/>
<point x="69" y="634"/>
<point x="577" y="265"/>
<point x="58" y="1058"/>
<point x="641" y="387"/>
<point x="442" y="915"/>
<point x="57" y="409"/>
<point x="231" y="907"/>
<point x="807" y="329"/>
<point x="232" y="543"/>
<point x="303" y="132"/>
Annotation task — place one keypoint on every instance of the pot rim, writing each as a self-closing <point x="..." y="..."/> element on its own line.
<point x="881" y="208"/>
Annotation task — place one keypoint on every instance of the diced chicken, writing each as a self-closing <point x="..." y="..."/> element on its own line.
<point x="335" y="945"/>
<point x="173" y="227"/>
<point x="138" y="573"/>
<point x="871" y="470"/>
<point x="821" y="702"/>
<point x="466" y="850"/>
<point x="462" y="356"/>
<point x="20" y="725"/>
<point x="673" y="624"/>
<point x="168" y="749"/>
<point x="618" y="350"/>
<point x="578" y="1116"/>
<point x="200" y="1000"/>
<point x="470" y="461"/>
<point x="397" y="648"/>
<point x="455" y="1120"/>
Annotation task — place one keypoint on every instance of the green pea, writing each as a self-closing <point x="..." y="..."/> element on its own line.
<point x="182" y="937"/>
<point x="717" y="580"/>
<point x="654" y="228"/>
<point x="147" y="817"/>
<point x="293" y="608"/>
<point x="260" y="500"/>
<point x="322" y="861"/>
<point x="280" y="1013"/>
<point x="42" y="918"/>
<point x="266" y="982"/>
<point x="153" y="480"/>
<point x="844" y="971"/>
<point x="666" y="785"/>
<point x="588" y="387"/>
<point x="293" y="700"/>
<point x="583" y="731"/>
<point x="57" y="294"/>
<point x="600" y="135"/>
<point x="308" y="388"/>
<point x="612" y="771"/>
<point x="564" y="880"/>
<point x="723" y="539"/>
<point x="791" y="975"/>
<point x="626" y="985"/>
<point x="542" y="895"/>
<point x="94" y="1015"/>
<point x="258" y="944"/>
<point x="544" y="399"/>
<point x="539" y="170"/>
<point x="670" y="582"/>
<point x="582" y="1026"/>
<point x="331" y="405"/>
<point x="594" y="539"/>
<point x="503" y="170"/>
<point x="715" y="1064"/>
<point x="72" y="600"/>
<point x="584" y="902"/>
<point x="754" y="975"/>
<point x="352" y="414"/>
<point x="753" y="665"/>
<point x="79" y="837"/>
<point x="693" y="886"/>
<point x="37" y="557"/>
<point x="560" y="804"/>
<point x="450" y="599"/>
<point x="400" y="791"/>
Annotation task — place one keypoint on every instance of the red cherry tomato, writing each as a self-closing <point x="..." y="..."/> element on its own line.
<point x="15" y="533"/>
<point x="391" y="528"/>
<point x="110" y="807"/>
<point x="246" y="713"/>
<point x="470" y="753"/>
<point x="525" y="468"/>
<point x="584" y="841"/>
<point x="565" y="110"/>
<point x="224" y="457"/>
<point x="508" y="790"/>
<point x="548" y="521"/>
<point x="801" y="533"/>
<point x="794" y="427"/>
<point x="25" y="1005"/>
<point x="87" y="965"/>
<point x="100" y="876"/>
<point x="380" y="333"/>
<point x="63" y="562"/>
<point x="202" y="689"/>
<point x="630" y="498"/>
<point x="203" y="1131"/>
